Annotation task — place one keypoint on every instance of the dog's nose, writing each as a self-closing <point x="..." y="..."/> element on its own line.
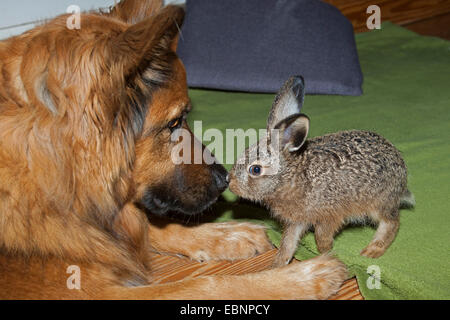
<point x="228" y="178"/>
<point x="220" y="175"/>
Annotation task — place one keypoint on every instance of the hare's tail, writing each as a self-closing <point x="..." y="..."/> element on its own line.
<point x="407" y="201"/>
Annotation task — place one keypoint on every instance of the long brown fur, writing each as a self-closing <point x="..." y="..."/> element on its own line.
<point x="83" y="138"/>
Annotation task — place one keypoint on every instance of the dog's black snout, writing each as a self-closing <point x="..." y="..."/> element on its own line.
<point x="220" y="175"/>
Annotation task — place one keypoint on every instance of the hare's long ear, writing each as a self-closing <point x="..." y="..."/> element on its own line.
<point x="288" y="101"/>
<point x="293" y="132"/>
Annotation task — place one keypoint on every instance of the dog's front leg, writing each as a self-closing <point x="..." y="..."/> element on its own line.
<point x="316" y="278"/>
<point x="209" y="241"/>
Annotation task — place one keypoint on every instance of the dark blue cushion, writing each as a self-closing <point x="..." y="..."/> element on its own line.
<point x="255" y="45"/>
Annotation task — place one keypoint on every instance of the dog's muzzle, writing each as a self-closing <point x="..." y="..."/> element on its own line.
<point x="192" y="200"/>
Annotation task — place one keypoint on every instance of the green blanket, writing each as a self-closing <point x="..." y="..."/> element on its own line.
<point x="406" y="99"/>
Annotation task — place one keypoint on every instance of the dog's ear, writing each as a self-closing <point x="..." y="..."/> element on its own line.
<point x="135" y="11"/>
<point x="146" y="44"/>
<point x="140" y="59"/>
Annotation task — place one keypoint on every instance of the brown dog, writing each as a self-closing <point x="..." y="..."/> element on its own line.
<point x="86" y="117"/>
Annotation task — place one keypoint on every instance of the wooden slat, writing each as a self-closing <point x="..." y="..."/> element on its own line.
<point x="402" y="12"/>
<point x="170" y="268"/>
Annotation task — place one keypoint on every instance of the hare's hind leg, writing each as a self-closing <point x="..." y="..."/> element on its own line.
<point x="385" y="234"/>
<point x="292" y="234"/>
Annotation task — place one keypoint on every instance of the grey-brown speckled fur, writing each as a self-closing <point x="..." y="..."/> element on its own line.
<point x="324" y="182"/>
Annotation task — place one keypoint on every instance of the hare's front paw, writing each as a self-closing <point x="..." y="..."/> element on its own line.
<point x="227" y="241"/>
<point x="281" y="259"/>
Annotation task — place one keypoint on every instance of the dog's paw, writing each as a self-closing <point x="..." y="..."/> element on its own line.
<point x="313" y="279"/>
<point x="226" y="241"/>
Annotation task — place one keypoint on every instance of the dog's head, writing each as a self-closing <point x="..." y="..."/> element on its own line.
<point x="97" y="108"/>
<point x="160" y="184"/>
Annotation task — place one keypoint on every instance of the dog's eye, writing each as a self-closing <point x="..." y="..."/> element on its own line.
<point x="255" y="170"/>
<point x="175" y="124"/>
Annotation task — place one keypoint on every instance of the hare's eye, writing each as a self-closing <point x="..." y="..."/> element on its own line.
<point x="255" y="170"/>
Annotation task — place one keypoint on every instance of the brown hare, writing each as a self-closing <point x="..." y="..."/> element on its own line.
<point x="324" y="182"/>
